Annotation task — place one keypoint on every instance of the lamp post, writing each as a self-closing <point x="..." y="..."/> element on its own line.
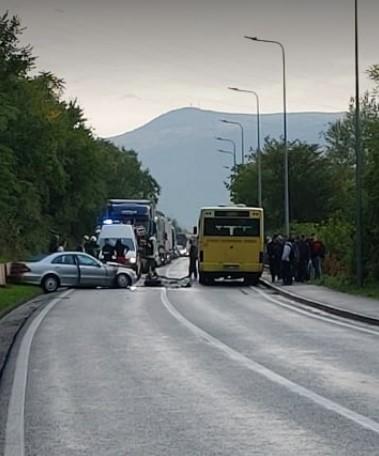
<point x="219" y="138"/>
<point x="242" y="137"/>
<point x="286" y="183"/>
<point x="359" y="159"/>
<point x="259" y="154"/>
<point x="228" y="152"/>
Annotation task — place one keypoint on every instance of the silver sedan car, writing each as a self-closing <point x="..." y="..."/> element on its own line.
<point x="72" y="269"/>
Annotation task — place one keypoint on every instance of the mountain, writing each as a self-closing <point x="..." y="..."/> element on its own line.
<point x="180" y="150"/>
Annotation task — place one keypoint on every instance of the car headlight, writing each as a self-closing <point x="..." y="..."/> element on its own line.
<point x="133" y="260"/>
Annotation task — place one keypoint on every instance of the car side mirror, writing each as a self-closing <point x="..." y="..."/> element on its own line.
<point x="195" y="230"/>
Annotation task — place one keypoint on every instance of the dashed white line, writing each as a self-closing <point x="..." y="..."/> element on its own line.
<point x="272" y="376"/>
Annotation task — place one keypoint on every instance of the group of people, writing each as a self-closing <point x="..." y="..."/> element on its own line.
<point x="296" y="258"/>
<point x="108" y="252"/>
<point x="57" y="244"/>
<point x="89" y="245"/>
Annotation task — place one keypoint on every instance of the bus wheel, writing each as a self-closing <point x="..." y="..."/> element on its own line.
<point x="203" y="278"/>
<point x="252" y="279"/>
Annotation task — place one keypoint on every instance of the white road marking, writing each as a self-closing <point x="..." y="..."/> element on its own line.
<point x="272" y="376"/>
<point x="14" y="433"/>
<point x="311" y="313"/>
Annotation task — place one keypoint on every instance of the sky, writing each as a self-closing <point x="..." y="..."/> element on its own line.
<point x="128" y="61"/>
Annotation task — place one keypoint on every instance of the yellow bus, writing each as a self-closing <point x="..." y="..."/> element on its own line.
<point x="230" y="243"/>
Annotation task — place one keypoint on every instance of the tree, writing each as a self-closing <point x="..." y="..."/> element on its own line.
<point x="311" y="186"/>
<point x="55" y="176"/>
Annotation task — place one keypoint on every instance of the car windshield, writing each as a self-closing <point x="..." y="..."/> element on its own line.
<point x="127" y="242"/>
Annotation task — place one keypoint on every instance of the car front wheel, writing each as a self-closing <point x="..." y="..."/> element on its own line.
<point x="123" y="281"/>
<point x="50" y="284"/>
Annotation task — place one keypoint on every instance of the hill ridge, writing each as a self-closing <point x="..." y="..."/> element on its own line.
<point x="180" y="150"/>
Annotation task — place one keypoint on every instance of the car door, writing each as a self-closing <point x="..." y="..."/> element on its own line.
<point x="92" y="272"/>
<point x="66" y="269"/>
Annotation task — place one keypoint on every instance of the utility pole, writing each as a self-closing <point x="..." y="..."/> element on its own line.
<point x="285" y="133"/>
<point x="359" y="161"/>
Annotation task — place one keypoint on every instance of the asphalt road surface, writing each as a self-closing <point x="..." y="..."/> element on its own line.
<point x="221" y="370"/>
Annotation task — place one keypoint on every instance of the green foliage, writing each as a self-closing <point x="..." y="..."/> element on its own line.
<point x="347" y="285"/>
<point x="13" y="295"/>
<point x="312" y="188"/>
<point x="54" y="174"/>
<point x="322" y="188"/>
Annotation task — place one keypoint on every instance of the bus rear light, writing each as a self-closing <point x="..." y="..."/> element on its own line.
<point x="261" y="257"/>
<point x="201" y="256"/>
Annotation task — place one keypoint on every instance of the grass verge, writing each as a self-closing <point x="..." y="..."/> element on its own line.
<point x="370" y="289"/>
<point x="13" y="295"/>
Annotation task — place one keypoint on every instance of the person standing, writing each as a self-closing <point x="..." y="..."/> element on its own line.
<point x="193" y="255"/>
<point x="304" y="256"/>
<point x="62" y="245"/>
<point x="120" y="252"/>
<point x="86" y="242"/>
<point x="287" y="260"/>
<point x="274" y="251"/>
<point x="108" y="252"/>
<point x="92" y="247"/>
<point x="150" y="257"/>
<point x="317" y="254"/>
<point x="54" y="243"/>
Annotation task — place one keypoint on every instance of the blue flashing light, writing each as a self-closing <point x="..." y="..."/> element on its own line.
<point x="107" y="222"/>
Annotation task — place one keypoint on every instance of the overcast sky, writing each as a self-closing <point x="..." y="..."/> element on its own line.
<point x="127" y="61"/>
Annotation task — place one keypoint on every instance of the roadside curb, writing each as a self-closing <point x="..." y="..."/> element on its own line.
<point x="11" y="323"/>
<point x="322" y="306"/>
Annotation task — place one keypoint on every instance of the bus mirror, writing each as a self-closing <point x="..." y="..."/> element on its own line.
<point x="195" y="230"/>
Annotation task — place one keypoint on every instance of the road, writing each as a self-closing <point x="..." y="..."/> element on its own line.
<point x="222" y="370"/>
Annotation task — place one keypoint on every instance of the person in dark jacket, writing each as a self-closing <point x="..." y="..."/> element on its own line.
<point x="317" y="254"/>
<point x="108" y="252"/>
<point x="274" y="252"/>
<point x="303" y="259"/>
<point x="54" y="243"/>
<point x="92" y="248"/>
<point x="121" y="252"/>
<point x="193" y="255"/>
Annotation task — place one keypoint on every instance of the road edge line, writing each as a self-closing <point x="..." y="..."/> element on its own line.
<point x="14" y="444"/>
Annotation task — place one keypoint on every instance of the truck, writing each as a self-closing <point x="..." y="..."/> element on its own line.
<point x="140" y="213"/>
<point x="161" y="236"/>
<point x="165" y="235"/>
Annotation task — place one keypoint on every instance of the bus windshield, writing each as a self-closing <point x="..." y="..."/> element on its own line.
<point x="232" y="227"/>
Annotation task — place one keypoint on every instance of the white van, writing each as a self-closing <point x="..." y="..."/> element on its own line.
<point x="127" y="236"/>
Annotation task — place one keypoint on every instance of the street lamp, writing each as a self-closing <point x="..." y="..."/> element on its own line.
<point x="219" y="138"/>
<point x="242" y="137"/>
<point x="359" y="159"/>
<point x="286" y="186"/>
<point x="259" y="154"/>
<point x="228" y="152"/>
